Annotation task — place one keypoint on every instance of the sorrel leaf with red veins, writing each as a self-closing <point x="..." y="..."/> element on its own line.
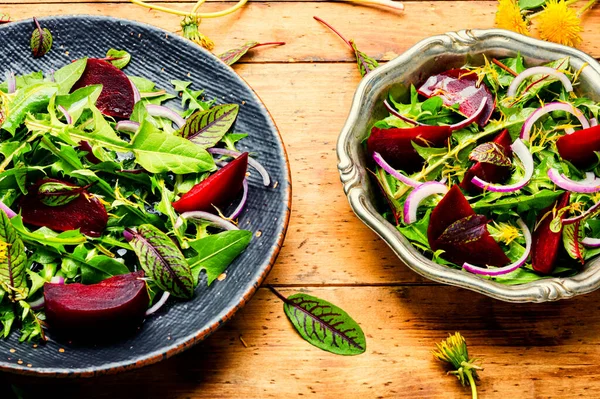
<point x="162" y="261"/>
<point x="572" y="234"/>
<point x="465" y="230"/>
<point x="13" y="261"/>
<point x="232" y="56"/>
<point x="207" y="128"/>
<point x="119" y="58"/>
<point x="323" y="324"/>
<point x="490" y="153"/>
<point x="41" y="40"/>
<point x="56" y="193"/>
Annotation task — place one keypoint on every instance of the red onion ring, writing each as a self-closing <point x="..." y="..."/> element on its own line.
<point x="164" y="112"/>
<point x="522" y="152"/>
<point x="57" y="280"/>
<point x="585" y="214"/>
<point x="242" y="203"/>
<point x="386" y="166"/>
<point x="470" y="119"/>
<point x="37" y="304"/>
<point x="136" y="93"/>
<point x="572" y="185"/>
<point x="209" y="217"/>
<point x="127" y="126"/>
<point x="509" y="268"/>
<point x="593" y="122"/>
<point x="251" y="161"/>
<point x="159" y="304"/>
<point x="550" y="107"/>
<point x="418" y="195"/>
<point x="11" y="82"/>
<point x="591" y="242"/>
<point x="540" y="70"/>
<point x="400" y="116"/>
<point x="64" y="111"/>
<point x="9" y="212"/>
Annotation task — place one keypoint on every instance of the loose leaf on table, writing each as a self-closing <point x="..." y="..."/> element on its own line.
<point x="159" y="152"/>
<point x="4" y="18"/>
<point x="68" y="75"/>
<point x="13" y="261"/>
<point x="217" y="251"/>
<point x="41" y="40"/>
<point x="232" y="56"/>
<point x="365" y="63"/>
<point x="162" y="261"/>
<point x="119" y="58"/>
<point x="207" y="128"/>
<point x="323" y="324"/>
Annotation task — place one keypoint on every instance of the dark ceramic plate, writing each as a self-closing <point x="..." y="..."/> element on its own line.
<point x="161" y="56"/>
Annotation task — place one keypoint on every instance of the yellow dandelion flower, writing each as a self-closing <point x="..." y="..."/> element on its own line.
<point x="190" y="26"/>
<point x="560" y="24"/>
<point x="509" y="17"/>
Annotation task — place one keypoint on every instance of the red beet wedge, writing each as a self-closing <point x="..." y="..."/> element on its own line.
<point x="487" y="171"/>
<point x="112" y="306"/>
<point x="578" y="148"/>
<point x="218" y="189"/>
<point x="459" y="86"/>
<point x="545" y="243"/>
<point x="117" y="97"/>
<point x="455" y="228"/>
<point x="85" y="212"/>
<point x="395" y="146"/>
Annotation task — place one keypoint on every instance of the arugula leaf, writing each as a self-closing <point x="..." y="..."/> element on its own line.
<point x="189" y="98"/>
<point x="76" y="102"/>
<point x="158" y="152"/>
<point x="32" y="99"/>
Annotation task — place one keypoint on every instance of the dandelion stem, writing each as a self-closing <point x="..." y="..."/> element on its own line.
<point x="585" y="8"/>
<point x="472" y="384"/>
<point x="167" y="10"/>
<point x="197" y="6"/>
<point x="536" y="14"/>
<point x="383" y="3"/>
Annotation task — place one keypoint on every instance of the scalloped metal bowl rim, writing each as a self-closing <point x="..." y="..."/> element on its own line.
<point x="353" y="176"/>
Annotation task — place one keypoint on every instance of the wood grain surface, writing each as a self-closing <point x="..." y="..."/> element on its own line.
<point x="528" y="351"/>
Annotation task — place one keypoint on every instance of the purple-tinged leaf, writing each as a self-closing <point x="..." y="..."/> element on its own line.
<point x="162" y="261"/>
<point x="41" y="40"/>
<point x="572" y="235"/>
<point x="365" y="63"/>
<point x="207" y="128"/>
<point x="323" y="324"/>
<point x="57" y="193"/>
<point x="465" y="230"/>
<point x="490" y="152"/>
<point x="232" y="56"/>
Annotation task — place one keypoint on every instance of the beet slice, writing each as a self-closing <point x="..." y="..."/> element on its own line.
<point x="85" y="212"/>
<point x="459" y="86"/>
<point x="489" y="172"/>
<point x="117" y="97"/>
<point x="578" y="148"/>
<point x="545" y="243"/>
<point x="395" y="146"/>
<point x="453" y="216"/>
<point x="110" y="307"/>
<point x="218" y="189"/>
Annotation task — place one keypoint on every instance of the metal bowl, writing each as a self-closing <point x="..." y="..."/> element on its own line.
<point x="430" y="56"/>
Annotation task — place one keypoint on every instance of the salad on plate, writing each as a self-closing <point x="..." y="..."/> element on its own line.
<point x="111" y="201"/>
<point x="493" y="169"/>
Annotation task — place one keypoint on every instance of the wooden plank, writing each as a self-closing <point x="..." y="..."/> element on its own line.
<point x="380" y="33"/>
<point x="528" y="351"/>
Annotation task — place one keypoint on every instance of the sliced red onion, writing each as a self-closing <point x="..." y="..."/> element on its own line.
<point x="591" y="242"/>
<point x="593" y="122"/>
<point x="50" y="76"/>
<point x="11" y="82"/>
<point x="57" y="280"/>
<point x="505" y="269"/>
<point x="569" y="130"/>
<point x="385" y="166"/>
<point x="64" y="111"/>
<point x="541" y="70"/>
<point x="38" y="303"/>
<point x="418" y="195"/>
<point x="399" y="115"/>
<point x="127" y="235"/>
<point x="472" y="118"/>
<point x="251" y="161"/>
<point x="164" y="112"/>
<point x="550" y="107"/>
<point x="585" y="214"/>
<point x="158" y="304"/>
<point x="572" y="185"/>
<point x="590" y="177"/>
<point x="242" y="203"/>
<point x="127" y="126"/>
<point x="522" y="152"/>
<point x="209" y="217"/>
<point x="136" y="93"/>
<point x="9" y="212"/>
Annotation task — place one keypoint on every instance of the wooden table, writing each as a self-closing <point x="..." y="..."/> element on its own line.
<point x="549" y="350"/>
